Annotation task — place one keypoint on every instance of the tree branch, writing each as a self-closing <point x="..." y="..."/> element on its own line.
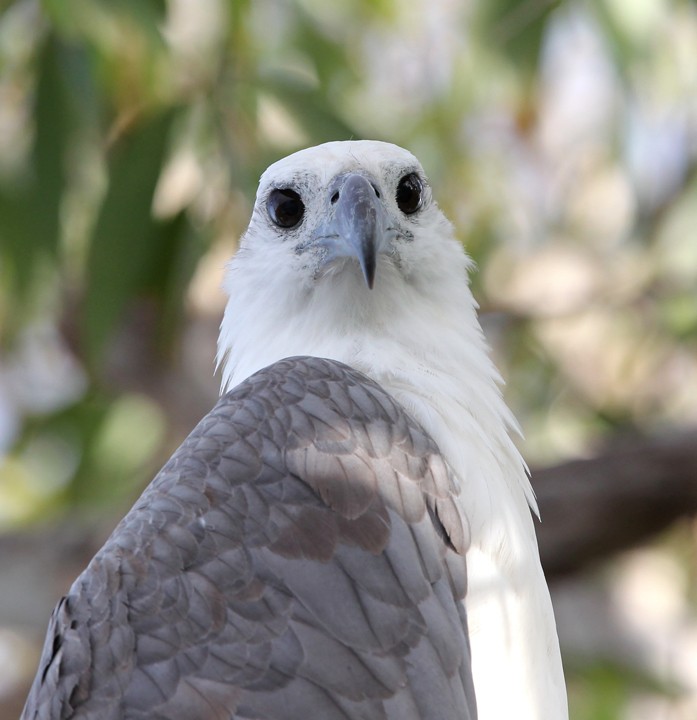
<point x="596" y="507"/>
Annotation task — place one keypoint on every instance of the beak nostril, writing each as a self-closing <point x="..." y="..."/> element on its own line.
<point x="335" y="197"/>
<point x="377" y="192"/>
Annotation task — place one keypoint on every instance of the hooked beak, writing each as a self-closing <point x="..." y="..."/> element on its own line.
<point x="358" y="227"/>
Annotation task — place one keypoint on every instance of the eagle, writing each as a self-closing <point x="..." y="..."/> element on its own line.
<point x="348" y="533"/>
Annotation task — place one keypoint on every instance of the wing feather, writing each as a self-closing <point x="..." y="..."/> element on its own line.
<point x="301" y="555"/>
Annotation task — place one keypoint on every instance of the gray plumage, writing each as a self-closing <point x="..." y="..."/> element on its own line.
<point x="301" y="555"/>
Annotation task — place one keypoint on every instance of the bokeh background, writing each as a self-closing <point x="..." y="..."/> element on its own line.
<point x="561" y="139"/>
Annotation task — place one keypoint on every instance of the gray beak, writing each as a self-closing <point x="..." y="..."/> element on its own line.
<point x="358" y="226"/>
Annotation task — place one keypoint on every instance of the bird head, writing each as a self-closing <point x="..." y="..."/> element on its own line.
<point x="344" y="207"/>
<point x="344" y="235"/>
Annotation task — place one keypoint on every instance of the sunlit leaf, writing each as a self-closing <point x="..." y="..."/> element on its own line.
<point x="679" y="312"/>
<point x="118" y="460"/>
<point x="111" y="443"/>
<point x="600" y="690"/>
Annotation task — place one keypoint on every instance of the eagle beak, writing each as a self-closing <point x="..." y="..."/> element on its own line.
<point x="358" y="227"/>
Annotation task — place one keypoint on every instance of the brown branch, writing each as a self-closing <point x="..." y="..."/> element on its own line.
<point x="633" y="489"/>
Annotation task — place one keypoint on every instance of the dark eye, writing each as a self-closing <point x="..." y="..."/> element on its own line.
<point x="410" y="193"/>
<point x="285" y="207"/>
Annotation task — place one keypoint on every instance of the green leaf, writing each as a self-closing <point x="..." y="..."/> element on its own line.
<point x="30" y="226"/>
<point x="17" y="251"/>
<point x="52" y="115"/>
<point x="600" y="690"/>
<point x="118" y="459"/>
<point x="147" y="14"/>
<point x="516" y="29"/>
<point x="176" y="249"/>
<point x="328" y="55"/>
<point x="122" y="247"/>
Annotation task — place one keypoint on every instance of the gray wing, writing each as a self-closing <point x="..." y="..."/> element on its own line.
<point x="301" y="555"/>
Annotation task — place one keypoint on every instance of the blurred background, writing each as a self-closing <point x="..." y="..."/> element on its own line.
<point x="561" y="139"/>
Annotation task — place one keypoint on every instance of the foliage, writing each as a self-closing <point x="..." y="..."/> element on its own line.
<point x="560" y="138"/>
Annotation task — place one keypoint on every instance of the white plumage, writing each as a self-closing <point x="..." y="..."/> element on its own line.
<point x="415" y="333"/>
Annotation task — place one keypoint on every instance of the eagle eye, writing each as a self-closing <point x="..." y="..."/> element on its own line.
<point x="285" y="207"/>
<point x="410" y="193"/>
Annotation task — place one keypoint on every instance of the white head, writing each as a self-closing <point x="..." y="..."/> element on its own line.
<point x="345" y="240"/>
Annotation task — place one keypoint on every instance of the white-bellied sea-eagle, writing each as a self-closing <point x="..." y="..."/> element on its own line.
<point x="347" y="534"/>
